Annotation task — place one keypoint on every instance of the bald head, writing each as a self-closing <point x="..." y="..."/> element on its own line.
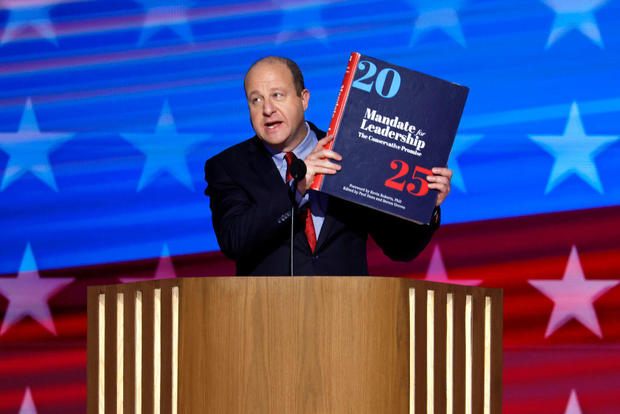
<point x="298" y="78"/>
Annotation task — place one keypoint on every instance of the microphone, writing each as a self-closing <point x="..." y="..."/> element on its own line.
<point x="298" y="169"/>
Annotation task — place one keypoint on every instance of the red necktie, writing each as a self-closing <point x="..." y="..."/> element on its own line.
<point x="309" y="227"/>
<point x="289" y="157"/>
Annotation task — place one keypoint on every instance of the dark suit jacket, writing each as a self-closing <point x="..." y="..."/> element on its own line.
<point x="250" y="208"/>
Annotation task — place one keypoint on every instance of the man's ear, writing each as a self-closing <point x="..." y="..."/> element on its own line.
<point x="305" y="98"/>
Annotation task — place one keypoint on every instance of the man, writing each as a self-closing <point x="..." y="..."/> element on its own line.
<point x="250" y="200"/>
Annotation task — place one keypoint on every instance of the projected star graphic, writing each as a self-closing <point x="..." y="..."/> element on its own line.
<point x="574" y="152"/>
<point x="165" y="150"/>
<point x="28" y="15"/>
<point x="575" y="15"/>
<point x="29" y="150"/>
<point x="573" y="296"/>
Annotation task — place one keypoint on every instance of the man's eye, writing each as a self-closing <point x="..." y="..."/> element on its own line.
<point x="278" y="95"/>
<point x="255" y="100"/>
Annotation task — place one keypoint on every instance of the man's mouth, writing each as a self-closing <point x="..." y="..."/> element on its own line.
<point x="272" y="125"/>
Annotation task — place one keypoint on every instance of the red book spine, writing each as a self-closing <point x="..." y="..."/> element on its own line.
<point x="338" y="110"/>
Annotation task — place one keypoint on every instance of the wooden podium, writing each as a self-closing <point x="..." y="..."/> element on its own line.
<point x="296" y="345"/>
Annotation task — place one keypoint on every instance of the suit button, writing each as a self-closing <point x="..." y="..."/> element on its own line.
<point x="315" y="257"/>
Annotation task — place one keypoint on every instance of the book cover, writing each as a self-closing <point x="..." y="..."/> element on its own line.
<point x="391" y="125"/>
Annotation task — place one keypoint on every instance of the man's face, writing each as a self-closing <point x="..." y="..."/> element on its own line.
<point x="276" y="111"/>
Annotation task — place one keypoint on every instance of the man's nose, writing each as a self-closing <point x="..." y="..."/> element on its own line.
<point x="268" y="107"/>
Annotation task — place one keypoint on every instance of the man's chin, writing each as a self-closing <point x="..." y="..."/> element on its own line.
<point x="273" y="139"/>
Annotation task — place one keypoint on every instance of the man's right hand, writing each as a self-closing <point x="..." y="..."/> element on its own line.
<point x="318" y="162"/>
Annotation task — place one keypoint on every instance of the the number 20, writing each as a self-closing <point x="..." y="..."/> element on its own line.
<point x="365" y="82"/>
<point x="418" y="176"/>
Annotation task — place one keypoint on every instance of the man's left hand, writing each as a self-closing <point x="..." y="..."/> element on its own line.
<point x="440" y="181"/>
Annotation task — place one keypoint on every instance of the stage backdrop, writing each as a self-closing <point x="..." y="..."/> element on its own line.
<point x="109" y="108"/>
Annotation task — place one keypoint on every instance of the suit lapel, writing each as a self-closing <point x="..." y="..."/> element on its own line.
<point x="331" y="224"/>
<point x="262" y="165"/>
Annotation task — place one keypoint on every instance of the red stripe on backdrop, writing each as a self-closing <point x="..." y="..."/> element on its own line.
<point x="68" y="325"/>
<point x="17" y="362"/>
<point x="539" y="373"/>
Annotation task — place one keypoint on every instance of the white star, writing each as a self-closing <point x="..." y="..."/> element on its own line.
<point x="439" y="14"/>
<point x="574" y="14"/>
<point x="24" y="14"/>
<point x="574" y="152"/>
<point x="165" y="269"/>
<point x="300" y="17"/>
<point x="573" y="404"/>
<point x="28" y="294"/>
<point x="28" y="149"/>
<point x="27" y="406"/>
<point x="573" y="296"/>
<point x="462" y="143"/>
<point x="165" y="150"/>
<point x="437" y="272"/>
<point x="160" y="14"/>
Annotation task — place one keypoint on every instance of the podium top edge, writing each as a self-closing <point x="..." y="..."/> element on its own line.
<point x="407" y="282"/>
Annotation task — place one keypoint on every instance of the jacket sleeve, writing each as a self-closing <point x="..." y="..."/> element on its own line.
<point x="244" y="219"/>
<point x="399" y="239"/>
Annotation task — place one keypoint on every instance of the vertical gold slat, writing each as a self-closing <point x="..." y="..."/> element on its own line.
<point x="449" y="353"/>
<point x="412" y="351"/>
<point x="487" y="355"/>
<point x="157" y="351"/>
<point x="138" y="353"/>
<point x="430" y="351"/>
<point x="101" y="380"/>
<point x="469" y="357"/>
<point x="175" y="349"/>
<point x="120" y="328"/>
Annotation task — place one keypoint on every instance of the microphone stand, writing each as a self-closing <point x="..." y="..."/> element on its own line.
<point x="293" y="213"/>
<point x="298" y="172"/>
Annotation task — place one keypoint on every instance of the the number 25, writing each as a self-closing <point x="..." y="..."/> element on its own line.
<point x="419" y="178"/>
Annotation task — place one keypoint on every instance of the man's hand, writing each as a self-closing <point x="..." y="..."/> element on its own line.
<point x="317" y="162"/>
<point x="440" y="181"/>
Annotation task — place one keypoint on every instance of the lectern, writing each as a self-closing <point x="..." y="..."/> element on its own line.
<point x="376" y="345"/>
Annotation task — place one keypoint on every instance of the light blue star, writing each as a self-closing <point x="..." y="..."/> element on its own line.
<point x="160" y="14"/>
<point x="165" y="150"/>
<point x="438" y="14"/>
<point x="28" y="294"/>
<point x="462" y="143"/>
<point x="28" y="14"/>
<point x="574" y="152"/>
<point x="575" y="14"/>
<point x="28" y="150"/>
<point x="300" y="17"/>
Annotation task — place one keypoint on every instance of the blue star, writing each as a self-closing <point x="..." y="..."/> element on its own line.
<point x="28" y="150"/>
<point x="574" y="14"/>
<point x="574" y="152"/>
<point x="160" y="14"/>
<point x="462" y="142"/>
<point x="29" y="14"/>
<point x="165" y="150"/>
<point x="439" y="14"/>
<point x="300" y="17"/>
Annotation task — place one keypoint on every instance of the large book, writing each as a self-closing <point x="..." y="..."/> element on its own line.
<point x="391" y="125"/>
